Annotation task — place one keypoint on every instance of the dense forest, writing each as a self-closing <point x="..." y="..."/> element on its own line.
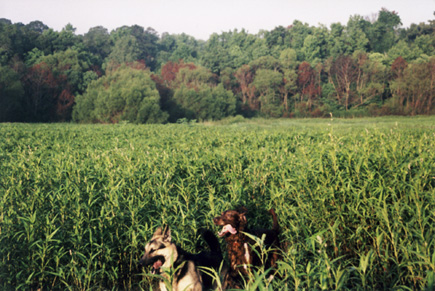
<point x="366" y="67"/>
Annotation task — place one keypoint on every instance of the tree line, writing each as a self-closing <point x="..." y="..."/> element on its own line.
<point x="367" y="67"/>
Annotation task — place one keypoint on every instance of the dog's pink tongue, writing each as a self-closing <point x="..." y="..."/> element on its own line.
<point x="227" y="228"/>
<point x="157" y="264"/>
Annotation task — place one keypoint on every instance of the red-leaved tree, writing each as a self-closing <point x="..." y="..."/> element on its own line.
<point x="42" y="92"/>
<point x="308" y="84"/>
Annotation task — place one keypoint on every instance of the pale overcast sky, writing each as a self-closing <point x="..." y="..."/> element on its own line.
<point x="200" y="18"/>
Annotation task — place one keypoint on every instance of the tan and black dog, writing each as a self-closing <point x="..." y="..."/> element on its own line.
<point x="161" y="252"/>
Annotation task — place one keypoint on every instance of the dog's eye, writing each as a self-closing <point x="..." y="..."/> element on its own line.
<point x="159" y="248"/>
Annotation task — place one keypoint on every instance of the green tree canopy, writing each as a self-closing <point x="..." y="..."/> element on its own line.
<point x="205" y="102"/>
<point x="198" y="97"/>
<point x="383" y="33"/>
<point x="97" y="41"/>
<point x="11" y="95"/>
<point x="127" y="93"/>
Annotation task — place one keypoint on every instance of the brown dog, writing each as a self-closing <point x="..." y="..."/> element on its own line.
<point x="240" y="254"/>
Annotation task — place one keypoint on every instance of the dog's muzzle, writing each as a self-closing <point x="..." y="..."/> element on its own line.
<point x="156" y="262"/>
<point x="228" y="228"/>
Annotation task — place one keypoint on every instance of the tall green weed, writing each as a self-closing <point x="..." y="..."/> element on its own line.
<point x="355" y="199"/>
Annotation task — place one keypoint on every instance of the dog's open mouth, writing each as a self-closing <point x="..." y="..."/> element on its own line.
<point x="228" y="228"/>
<point x="156" y="263"/>
<point x="156" y="266"/>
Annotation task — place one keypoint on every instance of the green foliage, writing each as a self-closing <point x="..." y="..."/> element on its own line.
<point x="52" y="82"/>
<point x="97" y="42"/>
<point x="205" y="102"/>
<point x="69" y="63"/>
<point x="11" y="95"/>
<point x="298" y="31"/>
<point x="288" y="58"/>
<point x="65" y="39"/>
<point x="354" y="199"/>
<point x="382" y="33"/>
<point x="194" y="77"/>
<point x="134" y="43"/>
<point x="314" y="48"/>
<point x="125" y="50"/>
<point x="402" y="49"/>
<point x="357" y="29"/>
<point x="426" y="44"/>
<point x="196" y="96"/>
<point x="33" y="57"/>
<point x="231" y="58"/>
<point x="369" y="84"/>
<point x="127" y="93"/>
<point x="413" y="89"/>
<point x="177" y="47"/>
<point x="231" y="50"/>
<point x="267" y="82"/>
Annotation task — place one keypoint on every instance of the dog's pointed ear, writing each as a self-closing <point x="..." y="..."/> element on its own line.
<point x="167" y="235"/>
<point x="158" y="231"/>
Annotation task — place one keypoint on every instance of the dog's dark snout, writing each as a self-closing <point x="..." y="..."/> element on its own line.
<point x="143" y="261"/>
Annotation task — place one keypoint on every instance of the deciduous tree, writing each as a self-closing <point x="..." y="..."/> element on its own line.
<point x="126" y="93"/>
<point x="42" y="90"/>
<point x="204" y="102"/>
<point x="414" y="86"/>
<point x="267" y="84"/>
<point x="11" y="96"/>
<point x="308" y="84"/>
<point x="370" y="80"/>
<point x="383" y="33"/>
<point x="245" y="77"/>
<point x="343" y="73"/>
<point x="288" y="60"/>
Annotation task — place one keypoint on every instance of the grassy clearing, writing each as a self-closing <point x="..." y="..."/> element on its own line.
<point x="355" y="198"/>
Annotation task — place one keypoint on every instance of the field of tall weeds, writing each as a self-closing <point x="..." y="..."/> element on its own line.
<point x="355" y="199"/>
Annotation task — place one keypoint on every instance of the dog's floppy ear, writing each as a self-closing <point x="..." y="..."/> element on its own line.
<point x="242" y="210"/>
<point x="242" y="219"/>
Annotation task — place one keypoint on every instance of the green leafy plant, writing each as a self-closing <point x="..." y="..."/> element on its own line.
<point x="354" y="199"/>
